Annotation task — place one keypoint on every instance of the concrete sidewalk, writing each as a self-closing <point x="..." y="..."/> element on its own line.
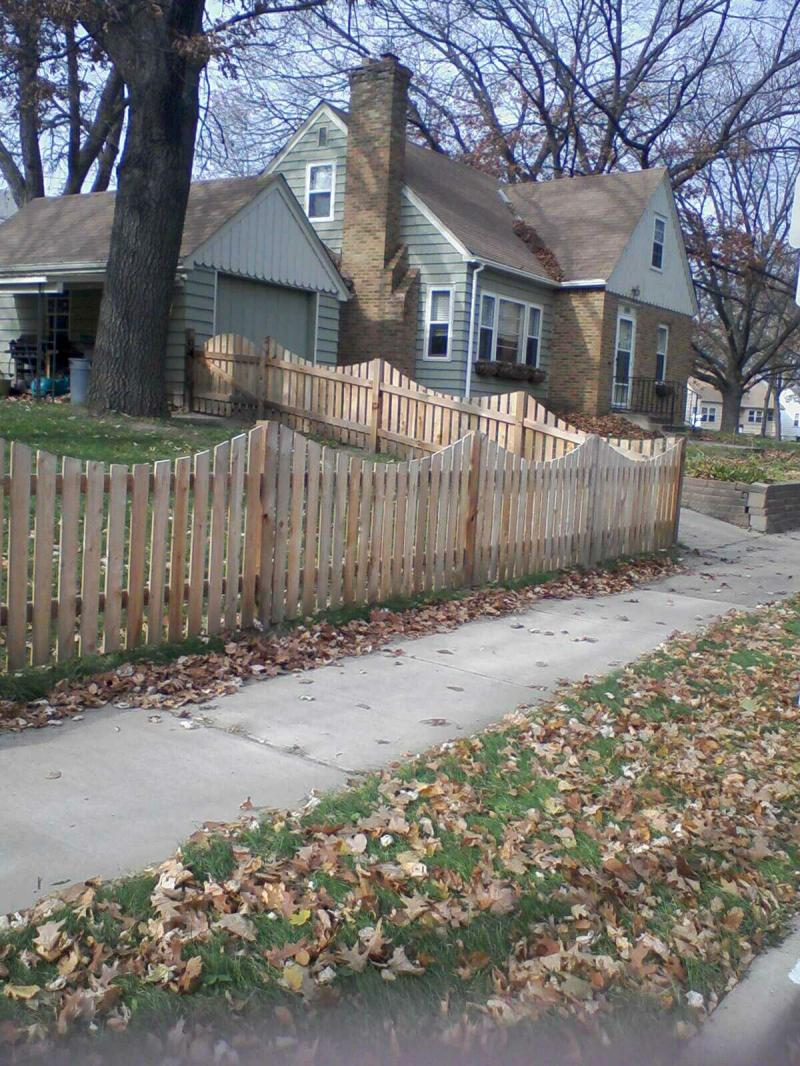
<point x="121" y="789"/>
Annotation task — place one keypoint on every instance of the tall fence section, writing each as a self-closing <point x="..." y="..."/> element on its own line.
<point x="273" y="526"/>
<point x="372" y="405"/>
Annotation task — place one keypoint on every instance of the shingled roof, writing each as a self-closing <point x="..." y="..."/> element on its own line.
<point x="75" y="231"/>
<point x="580" y="225"/>
<point x="586" y="221"/>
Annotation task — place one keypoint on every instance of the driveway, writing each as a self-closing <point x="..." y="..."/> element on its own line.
<point x="120" y="789"/>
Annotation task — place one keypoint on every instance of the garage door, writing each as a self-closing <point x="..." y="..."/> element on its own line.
<point x="256" y="310"/>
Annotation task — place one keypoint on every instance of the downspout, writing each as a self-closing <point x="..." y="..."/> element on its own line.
<point x="477" y="268"/>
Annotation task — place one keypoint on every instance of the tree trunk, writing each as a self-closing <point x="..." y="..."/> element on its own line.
<point x="731" y="408"/>
<point x="128" y="374"/>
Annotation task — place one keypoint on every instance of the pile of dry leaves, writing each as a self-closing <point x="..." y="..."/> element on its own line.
<point x="638" y="836"/>
<point x="195" y="679"/>
<point x="609" y="426"/>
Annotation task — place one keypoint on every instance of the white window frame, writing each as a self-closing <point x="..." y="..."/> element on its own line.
<point x="662" y="243"/>
<point x="665" y="327"/>
<point x="628" y="316"/>
<point x="314" y="166"/>
<point x="708" y="413"/>
<point x="526" y="325"/>
<point x="754" y="415"/>
<point x="430" y="322"/>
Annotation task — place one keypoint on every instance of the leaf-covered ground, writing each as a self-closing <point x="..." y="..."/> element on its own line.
<point x="169" y="678"/>
<point x="635" y="840"/>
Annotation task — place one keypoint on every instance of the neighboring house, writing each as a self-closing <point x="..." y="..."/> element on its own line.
<point x="704" y="410"/>
<point x="583" y="279"/>
<point x="250" y="263"/>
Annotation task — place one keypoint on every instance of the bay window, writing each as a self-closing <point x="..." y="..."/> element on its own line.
<point x="509" y="331"/>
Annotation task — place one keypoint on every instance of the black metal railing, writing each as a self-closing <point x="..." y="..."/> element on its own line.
<point x="661" y="399"/>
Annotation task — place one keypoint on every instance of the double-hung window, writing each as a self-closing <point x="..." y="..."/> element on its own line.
<point x="440" y="304"/>
<point x="659" y="236"/>
<point x="532" y="336"/>
<point x="708" y="414"/>
<point x="509" y="331"/>
<point x="486" y="327"/>
<point x="662" y="341"/>
<point x="754" y="414"/>
<point x="320" y="181"/>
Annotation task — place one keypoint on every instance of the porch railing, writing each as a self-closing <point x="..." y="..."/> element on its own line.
<point x="661" y="399"/>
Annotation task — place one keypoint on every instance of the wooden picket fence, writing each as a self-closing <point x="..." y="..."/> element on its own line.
<point x="272" y="526"/>
<point x="373" y="405"/>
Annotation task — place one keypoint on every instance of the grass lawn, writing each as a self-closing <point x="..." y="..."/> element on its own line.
<point x="633" y="841"/>
<point x="767" y="460"/>
<point x="61" y="429"/>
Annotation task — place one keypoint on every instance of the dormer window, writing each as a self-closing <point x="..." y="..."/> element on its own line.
<point x="320" y="185"/>
<point x="659" y="235"/>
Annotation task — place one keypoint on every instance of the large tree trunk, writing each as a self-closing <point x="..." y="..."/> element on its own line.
<point x="731" y="407"/>
<point x="128" y="374"/>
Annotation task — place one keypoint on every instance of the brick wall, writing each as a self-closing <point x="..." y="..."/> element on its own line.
<point x="381" y="318"/>
<point x="774" y="508"/>
<point x="574" y="372"/>
<point x="760" y="507"/>
<point x="726" y="500"/>
<point x="582" y="348"/>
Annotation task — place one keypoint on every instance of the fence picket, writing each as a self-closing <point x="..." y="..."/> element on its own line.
<point x="44" y="536"/>
<point x="115" y="557"/>
<point x="18" y="543"/>
<point x="216" y="555"/>
<point x="197" y="549"/>
<point x="91" y="556"/>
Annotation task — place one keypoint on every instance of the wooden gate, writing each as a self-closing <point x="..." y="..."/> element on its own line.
<point x="227" y="377"/>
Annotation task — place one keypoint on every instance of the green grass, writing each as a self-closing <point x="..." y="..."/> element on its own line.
<point x="482" y="804"/>
<point x="769" y="461"/>
<point x="62" y="429"/>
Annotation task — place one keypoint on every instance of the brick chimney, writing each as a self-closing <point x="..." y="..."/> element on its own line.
<point x="381" y="318"/>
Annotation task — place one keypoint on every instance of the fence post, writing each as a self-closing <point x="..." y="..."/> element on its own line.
<point x="262" y="379"/>
<point x="679" y="490"/>
<point x="376" y="375"/>
<point x="471" y="524"/>
<point x="519" y="402"/>
<point x="590" y="451"/>
<point x="188" y="369"/>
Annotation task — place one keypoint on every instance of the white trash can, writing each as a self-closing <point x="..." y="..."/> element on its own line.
<point x="79" y="371"/>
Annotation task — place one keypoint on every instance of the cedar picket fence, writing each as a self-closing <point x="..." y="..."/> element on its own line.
<point x="273" y="526"/>
<point x="373" y="405"/>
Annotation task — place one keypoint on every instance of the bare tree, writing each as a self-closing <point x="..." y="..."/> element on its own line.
<point x="737" y="218"/>
<point x="160" y="49"/>
<point x="61" y="106"/>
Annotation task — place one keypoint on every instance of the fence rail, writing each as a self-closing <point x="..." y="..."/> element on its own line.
<point x="273" y="526"/>
<point x="374" y="406"/>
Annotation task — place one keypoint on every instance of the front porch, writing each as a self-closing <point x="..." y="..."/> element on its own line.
<point x="44" y="324"/>
<point x="663" y="401"/>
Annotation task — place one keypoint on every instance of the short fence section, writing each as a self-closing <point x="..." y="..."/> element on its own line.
<point x="273" y="526"/>
<point x="373" y="406"/>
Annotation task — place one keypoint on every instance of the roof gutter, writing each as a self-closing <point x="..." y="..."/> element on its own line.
<point x="477" y="266"/>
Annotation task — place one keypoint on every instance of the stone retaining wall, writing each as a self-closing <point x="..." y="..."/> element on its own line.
<point x="761" y="507"/>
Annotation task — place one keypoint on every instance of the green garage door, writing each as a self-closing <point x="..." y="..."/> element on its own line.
<point x="256" y="310"/>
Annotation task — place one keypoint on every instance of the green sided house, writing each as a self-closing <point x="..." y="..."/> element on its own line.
<point x="250" y="264"/>
<point x="577" y="288"/>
